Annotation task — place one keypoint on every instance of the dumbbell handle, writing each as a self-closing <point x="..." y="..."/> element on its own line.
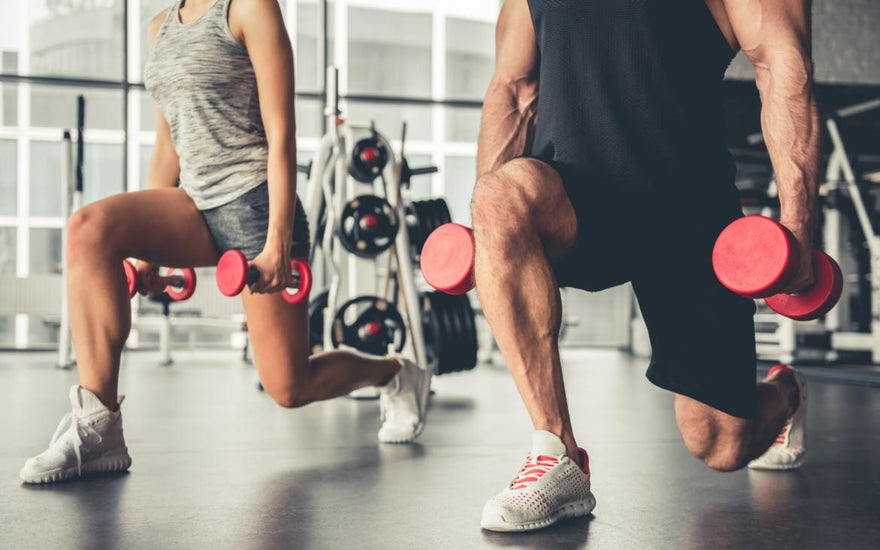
<point x="176" y="281"/>
<point x="253" y="274"/>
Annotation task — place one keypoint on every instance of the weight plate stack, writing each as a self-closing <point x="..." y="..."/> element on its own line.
<point x="450" y="332"/>
<point x="316" y="322"/>
<point x="423" y="218"/>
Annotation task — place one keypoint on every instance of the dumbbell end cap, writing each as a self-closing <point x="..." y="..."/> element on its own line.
<point x="755" y="257"/>
<point x="232" y="273"/>
<point x="189" y="284"/>
<point x="818" y="299"/>
<point x="130" y="277"/>
<point x="447" y="260"/>
<point x="301" y="294"/>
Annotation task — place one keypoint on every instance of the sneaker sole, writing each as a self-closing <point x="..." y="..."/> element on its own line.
<point x="572" y="510"/>
<point x="777" y="466"/>
<point x="423" y="414"/>
<point x="111" y="463"/>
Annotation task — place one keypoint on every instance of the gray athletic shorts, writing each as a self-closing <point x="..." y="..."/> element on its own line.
<point x="244" y="222"/>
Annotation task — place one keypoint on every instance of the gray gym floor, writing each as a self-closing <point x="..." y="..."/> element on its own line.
<point x="217" y="465"/>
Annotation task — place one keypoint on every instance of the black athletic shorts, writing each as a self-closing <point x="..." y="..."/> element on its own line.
<point x="243" y="224"/>
<point x="702" y="335"/>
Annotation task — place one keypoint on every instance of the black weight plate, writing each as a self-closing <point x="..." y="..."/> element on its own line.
<point x="451" y="349"/>
<point x="347" y="333"/>
<point x="362" y="171"/>
<point x="433" y="219"/>
<point x="457" y="330"/>
<point x="443" y="342"/>
<point x="429" y="329"/>
<point x="424" y="227"/>
<point x="420" y="226"/>
<point x="424" y="223"/>
<point x="362" y="242"/>
<point x="470" y="344"/>
<point x="317" y="305"/>
<point x="443" y="209"/>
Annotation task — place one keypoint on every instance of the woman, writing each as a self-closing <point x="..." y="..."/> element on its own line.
<point x="221" y="73"/>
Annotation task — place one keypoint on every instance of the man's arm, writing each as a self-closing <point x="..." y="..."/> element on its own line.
<point x="776" y="37"/>
<point x="511" y="104"/>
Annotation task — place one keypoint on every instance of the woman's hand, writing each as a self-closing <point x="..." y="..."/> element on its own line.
<point x="273" y="264"/>
<point x="149" y="282"/>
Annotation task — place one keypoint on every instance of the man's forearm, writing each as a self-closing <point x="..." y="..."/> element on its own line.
<point x="508" y="123"/>
<point x="790" y="122"/>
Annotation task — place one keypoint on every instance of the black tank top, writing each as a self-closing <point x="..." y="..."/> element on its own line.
<point x="630" y="97"/>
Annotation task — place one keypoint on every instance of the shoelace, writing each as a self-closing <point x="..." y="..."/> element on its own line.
<point x="74" y="422"/>
<point x="532" y="471"/>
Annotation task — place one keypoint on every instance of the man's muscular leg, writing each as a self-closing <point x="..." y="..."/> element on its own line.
<point x="522" y="220"/>
<point x="728" y="443"/>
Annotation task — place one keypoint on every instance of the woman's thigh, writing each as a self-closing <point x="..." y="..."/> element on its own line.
<point x="279" y="334"/>
<point x="162" y="226"/>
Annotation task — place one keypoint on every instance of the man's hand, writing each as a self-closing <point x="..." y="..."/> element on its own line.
<point x="805" y="276"/>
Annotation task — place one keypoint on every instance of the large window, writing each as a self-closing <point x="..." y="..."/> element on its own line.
<point x="70" y="38"/>
<point x="399" y="61"/>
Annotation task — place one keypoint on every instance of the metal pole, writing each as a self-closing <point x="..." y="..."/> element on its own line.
<point x="66" y="180"/>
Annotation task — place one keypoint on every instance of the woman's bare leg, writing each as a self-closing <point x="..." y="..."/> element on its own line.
<point x="161" y="226"/>
<point x="280" y="336"/>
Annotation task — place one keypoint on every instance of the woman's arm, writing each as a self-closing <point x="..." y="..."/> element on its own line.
<point x="164" y="163"/>
<point x="259" y="26"/>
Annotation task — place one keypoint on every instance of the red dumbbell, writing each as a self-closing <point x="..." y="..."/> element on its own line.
<point x="447" y="260"/>
<point x="233" y="273"/>
<point x="757" y="257"/>
<point x="180" y="284"/>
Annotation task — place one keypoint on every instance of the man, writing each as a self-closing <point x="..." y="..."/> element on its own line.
<point x="603" y="159"/>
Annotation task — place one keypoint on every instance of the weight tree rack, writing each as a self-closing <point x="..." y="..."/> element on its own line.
<point x="330" y="188"/>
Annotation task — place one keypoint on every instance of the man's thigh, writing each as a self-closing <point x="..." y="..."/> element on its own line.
<point x="702" y="334"/>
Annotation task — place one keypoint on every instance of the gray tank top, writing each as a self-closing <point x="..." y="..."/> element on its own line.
<point x="202" y="78"/>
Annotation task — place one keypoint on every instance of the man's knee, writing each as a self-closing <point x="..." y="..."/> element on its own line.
<point x="722" y="455"/>
<point x="721" y="441"/>
<point x="499" y="199"/>
<point x="504" y="201"/>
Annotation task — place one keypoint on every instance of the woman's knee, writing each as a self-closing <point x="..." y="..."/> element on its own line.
<point x="291" y="390"/>
<point x="287" y="396"/>
<point x="89" y="230"/>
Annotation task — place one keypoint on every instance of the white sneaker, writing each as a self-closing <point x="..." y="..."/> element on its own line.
<point x="549" y="487"/>
<point x="790" y="448"/>
<point x="88" y="441"/>
<point x="404" y="403"/>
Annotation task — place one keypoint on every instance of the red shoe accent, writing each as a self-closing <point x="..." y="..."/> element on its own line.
<point x="585" y="460"/>
<point x="779" y="368"/>
<point x="780" y="439"/>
